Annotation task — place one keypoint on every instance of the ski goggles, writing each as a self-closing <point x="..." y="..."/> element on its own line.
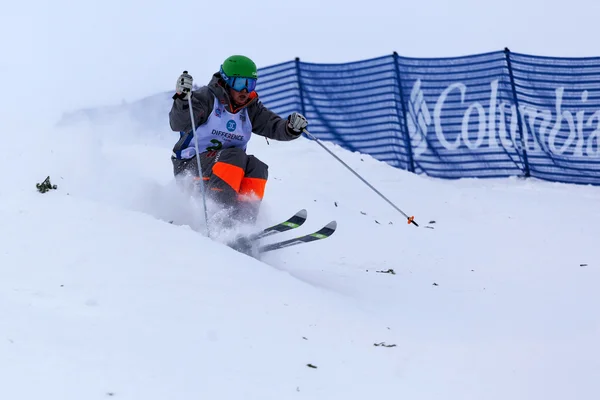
<point x="238" y="83"/>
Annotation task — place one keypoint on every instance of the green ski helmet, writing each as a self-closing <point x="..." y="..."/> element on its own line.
<point x="239" y="73"/>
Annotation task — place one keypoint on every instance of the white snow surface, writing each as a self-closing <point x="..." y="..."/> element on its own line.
<point x="494" y="296"/>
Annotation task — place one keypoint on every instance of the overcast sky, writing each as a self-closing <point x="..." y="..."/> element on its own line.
<point x="62" y="55"/>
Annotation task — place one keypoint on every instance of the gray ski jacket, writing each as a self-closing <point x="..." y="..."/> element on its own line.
<point x="264" y="121"/>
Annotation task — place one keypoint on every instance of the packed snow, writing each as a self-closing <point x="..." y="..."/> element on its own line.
<point x="109" y="288"/>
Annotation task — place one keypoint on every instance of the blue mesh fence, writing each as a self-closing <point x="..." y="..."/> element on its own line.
<point x="560" y="103"/>
<point x="497" y="114"/>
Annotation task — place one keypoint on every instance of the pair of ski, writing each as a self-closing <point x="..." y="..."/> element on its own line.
<point x="292" y="223"/>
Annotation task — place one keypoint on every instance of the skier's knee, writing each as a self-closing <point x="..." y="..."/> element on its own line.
<point x="255" y="168"/>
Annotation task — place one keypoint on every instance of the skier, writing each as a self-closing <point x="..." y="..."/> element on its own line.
<point x="227" y="111"/>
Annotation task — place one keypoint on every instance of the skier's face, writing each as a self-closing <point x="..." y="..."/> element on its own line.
<point x="239" y="97"/>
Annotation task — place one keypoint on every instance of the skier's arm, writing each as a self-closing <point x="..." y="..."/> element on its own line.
<point x="266" y="123"/>
<point x="179" y="116"/>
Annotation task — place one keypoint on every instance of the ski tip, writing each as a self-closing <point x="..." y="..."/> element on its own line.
<point x="302" y="213"/>
<point x="332" y="225"/>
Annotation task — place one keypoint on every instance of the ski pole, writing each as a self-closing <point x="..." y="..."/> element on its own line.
<point x="411" y="220"/>
<point x="201" y="180"/>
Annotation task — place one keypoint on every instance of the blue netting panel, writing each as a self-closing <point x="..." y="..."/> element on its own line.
<point x="559" y="99"/>
<point x="278" y="88"/>
<point x="461" y="116"/>
<point x="356" y="105"/>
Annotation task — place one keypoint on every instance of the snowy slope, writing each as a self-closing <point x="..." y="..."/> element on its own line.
<point x="101" y="297"/>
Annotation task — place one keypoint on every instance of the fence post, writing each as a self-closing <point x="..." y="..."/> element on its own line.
<point x="300" y="88"/>
<point x="411" y="163"/>
<point x="519" y="122"/>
